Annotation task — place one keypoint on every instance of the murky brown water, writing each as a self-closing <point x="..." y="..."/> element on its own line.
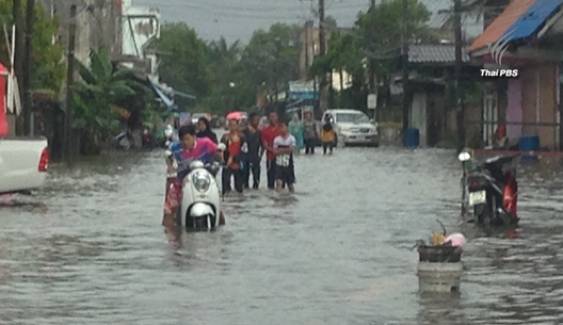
<point x="337" y="252"/>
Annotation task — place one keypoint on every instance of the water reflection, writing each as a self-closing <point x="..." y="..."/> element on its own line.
<point x="335" y="252"/>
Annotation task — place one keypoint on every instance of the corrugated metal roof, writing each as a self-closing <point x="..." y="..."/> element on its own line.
<point x="532" y="20"/>
<point x="501" y="24"/>
<point x="434" y="54"/>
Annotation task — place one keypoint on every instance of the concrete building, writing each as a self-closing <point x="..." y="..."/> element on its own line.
<point x="140" y="26"/>
<point x="525" y="36"/>
<point x="97" y="21"/>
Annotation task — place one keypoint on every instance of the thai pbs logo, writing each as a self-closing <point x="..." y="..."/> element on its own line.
<point x="497" y="70"/>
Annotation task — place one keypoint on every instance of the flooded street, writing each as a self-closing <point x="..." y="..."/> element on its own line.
<point x="336" y="252"/>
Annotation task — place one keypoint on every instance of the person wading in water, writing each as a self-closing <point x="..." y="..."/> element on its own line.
<point x="253" y="154"/>
<point x="268" y="135"/>
<point x="234" y="141"/>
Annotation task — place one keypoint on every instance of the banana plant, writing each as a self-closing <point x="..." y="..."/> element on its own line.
<point x="101" y="87"/>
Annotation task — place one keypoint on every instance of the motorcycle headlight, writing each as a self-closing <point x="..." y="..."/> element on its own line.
<point x="464" y="156"/>
<point x="201" y="181"/>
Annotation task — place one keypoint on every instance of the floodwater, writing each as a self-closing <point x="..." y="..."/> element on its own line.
<point x="89" y="248"/>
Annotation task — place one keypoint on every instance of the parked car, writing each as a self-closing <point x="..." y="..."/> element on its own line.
<point x="353" y="127"/>
<point x="23" y="164"/>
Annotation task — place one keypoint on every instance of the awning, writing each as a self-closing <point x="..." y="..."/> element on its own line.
<point x="521" y="19"/>
<point x="501" y="24"/>
<point x="169" y="102"/>
<point x="533" y="19"/>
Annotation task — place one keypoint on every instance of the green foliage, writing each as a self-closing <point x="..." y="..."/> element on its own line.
<point x="101" y="88"/>
<point x="48" y="68"/>
<point x="230" y="85"/>
<point x="183" y="59"/>
<point x="226" y="76"/>
<point x="379" y="31"/>
<point x="271" y="57"/>
<point x="344" y="53"/>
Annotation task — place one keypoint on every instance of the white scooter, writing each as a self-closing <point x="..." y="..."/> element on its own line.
<point x="200" y="207"/>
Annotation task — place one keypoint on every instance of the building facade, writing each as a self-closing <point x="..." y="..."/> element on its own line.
<point x="97" y="25"/>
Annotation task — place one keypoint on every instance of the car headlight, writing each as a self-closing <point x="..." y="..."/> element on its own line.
<point x="201" y="181"/>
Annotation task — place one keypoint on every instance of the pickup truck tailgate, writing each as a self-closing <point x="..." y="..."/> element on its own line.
<point x="19" y="164"/>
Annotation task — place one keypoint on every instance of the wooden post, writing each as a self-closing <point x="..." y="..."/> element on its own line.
<point x="69" y="81"/>
<point x="323" y="98"/>
<point x="18" y="56"/>
<point x="405" y="68"/>
<point x="460" y="106"/>
<point x="27" y="68"/>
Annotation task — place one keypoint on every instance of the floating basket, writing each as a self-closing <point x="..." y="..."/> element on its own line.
<point x="439" y="254"/>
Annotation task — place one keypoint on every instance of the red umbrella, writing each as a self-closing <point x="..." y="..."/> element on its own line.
<point x="236" y="115"/>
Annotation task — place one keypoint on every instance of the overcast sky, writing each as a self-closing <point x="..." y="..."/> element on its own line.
<point x="238" y="19"/>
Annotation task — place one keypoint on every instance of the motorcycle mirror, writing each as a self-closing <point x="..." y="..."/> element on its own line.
<point x="464" y="156"/>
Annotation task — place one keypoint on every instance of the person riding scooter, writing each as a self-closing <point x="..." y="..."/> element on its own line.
<point x="190" y="148"/>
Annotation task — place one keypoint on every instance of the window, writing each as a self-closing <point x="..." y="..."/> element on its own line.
<point x="352" y="118"/>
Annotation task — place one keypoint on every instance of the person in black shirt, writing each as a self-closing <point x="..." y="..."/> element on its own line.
<point x="252" y="152"/>
<point x="204" y="130"/>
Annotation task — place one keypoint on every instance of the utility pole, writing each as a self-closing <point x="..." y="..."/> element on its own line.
<point x="18" y="56"/>
<point x="460" y="106"/>
<point x="322" y="48"/>
<point x="69" y="82"/>
<point x="405" y="63"/>
<point x="372" y="83"/>
<point x="27" y="68"/>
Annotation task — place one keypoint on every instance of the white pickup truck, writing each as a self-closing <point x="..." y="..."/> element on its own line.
<point x="23" y="164"/>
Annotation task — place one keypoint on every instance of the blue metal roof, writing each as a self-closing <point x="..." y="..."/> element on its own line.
<point x="530" y="22"/>
<point x="168" y="102"/>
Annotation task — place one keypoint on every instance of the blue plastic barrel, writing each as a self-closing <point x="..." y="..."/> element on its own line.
<point x="529" y="143"/>
<point x="412" y="138"/>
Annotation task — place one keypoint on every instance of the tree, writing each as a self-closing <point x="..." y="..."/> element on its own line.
<point x="230" y="87"/>
<point x="271" y="57"/>
<point x="343" y="56"/>
<point x="183" y="59"/>
<point x="95" y="98"/>
<point x="379" y="31"/>
<point x="48" y="72"/>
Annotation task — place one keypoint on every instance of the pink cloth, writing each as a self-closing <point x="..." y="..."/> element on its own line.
<point x="457" y="240"/>
<point x="173" y="196"/>
<point x="204" y="149"/>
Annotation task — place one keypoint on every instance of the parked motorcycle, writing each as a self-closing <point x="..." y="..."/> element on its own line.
<point x="200" y="206"/>
<point x="490" y="189"/>
<point x="170" y="137"/>
<point x="123" y="140"/>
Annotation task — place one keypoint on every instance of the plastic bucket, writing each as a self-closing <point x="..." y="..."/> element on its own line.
<point x="412" y="138"/>
<point x="531" y="143"/>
